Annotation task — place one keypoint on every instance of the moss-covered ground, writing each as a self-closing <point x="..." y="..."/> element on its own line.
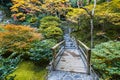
<point x="27" y="70"/>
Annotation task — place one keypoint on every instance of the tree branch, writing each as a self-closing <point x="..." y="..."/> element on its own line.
<point x="86" y="10"/>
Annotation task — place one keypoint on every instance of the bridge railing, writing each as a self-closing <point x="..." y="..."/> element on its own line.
<point x="86" y="52"/>
<point x="57" y="53"/>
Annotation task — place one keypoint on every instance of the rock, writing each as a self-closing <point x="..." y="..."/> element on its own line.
<point x="77" y="76"/>
<point x="68" y="78"/>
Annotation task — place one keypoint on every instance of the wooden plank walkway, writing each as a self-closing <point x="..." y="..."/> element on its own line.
<point x="71" y="65"/>
<point x="71" y="61"/>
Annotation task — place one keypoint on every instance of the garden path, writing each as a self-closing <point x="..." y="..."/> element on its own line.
<point x="71" y="65"/>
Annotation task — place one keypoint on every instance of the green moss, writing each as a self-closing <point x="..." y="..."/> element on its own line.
<point x="27" y="70"/>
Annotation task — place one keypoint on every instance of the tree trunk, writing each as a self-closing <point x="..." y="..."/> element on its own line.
<point x="91" y="14"/>
<point x="92" y="28"/>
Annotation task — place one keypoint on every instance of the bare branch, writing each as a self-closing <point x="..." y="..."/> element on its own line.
<point x="89" y="13"/>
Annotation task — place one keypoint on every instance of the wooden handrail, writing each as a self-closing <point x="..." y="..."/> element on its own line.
<point x="57" y="45"/>
<point x="87" y="55"/>
<point x="87" y="48"/>
<point x="55" y="54"/>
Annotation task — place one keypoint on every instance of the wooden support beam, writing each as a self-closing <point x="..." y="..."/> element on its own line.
<point x="88" y="61"/>
<point x="54" y="54"/>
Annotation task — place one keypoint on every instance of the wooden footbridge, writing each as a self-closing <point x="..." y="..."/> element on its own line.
<point x="71" y="61"/>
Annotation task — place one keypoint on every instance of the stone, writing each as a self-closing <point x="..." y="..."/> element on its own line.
<point x="67" y="78"/>
<point x="77" y="76"/>
<point x="53" y="78"/>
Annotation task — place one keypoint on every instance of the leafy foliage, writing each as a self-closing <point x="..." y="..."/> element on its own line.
<point x="50" y="19"/>
<point x="41" y="50"/>
<point x="21" y="42"/>
<point x="56" y="7"/>
<point x="53" y="32"/>
<point x="17" y="39"/>
<point x="107" y="13"/>
<point x="8" y="66"/>
<point x="106" y="22"/>
<point x="29" y="12"/>
<point x="50" y="27"/>
<point x="21" y="8"/>
<point x="106" y="59"/>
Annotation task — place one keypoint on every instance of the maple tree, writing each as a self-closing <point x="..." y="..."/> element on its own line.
<point x="55" y="8"/>
<point x="21" y="8"/>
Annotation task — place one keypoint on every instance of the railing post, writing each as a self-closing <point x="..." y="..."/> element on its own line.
<point x="88" y="61"/>
<point x="64" y="44"/>
<point x="53" y="64"/>
<point x="77" y="44"/>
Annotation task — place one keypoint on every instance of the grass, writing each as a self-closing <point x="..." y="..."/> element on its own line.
<point x="27" y="70"/>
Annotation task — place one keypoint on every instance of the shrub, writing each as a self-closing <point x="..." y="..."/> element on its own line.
<point x="50" y="19"/>
<point x="8" y="66"/>
<point x="53" y="32"/>
<point x="50" y="27"/>
<point x="49" y="24"/>
<point x="17" y="39"/>
<point x="41" y="50"/>
<point x="106" y="59"/>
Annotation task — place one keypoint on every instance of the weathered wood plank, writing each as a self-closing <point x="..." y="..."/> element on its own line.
<point x="71" y="62"/>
